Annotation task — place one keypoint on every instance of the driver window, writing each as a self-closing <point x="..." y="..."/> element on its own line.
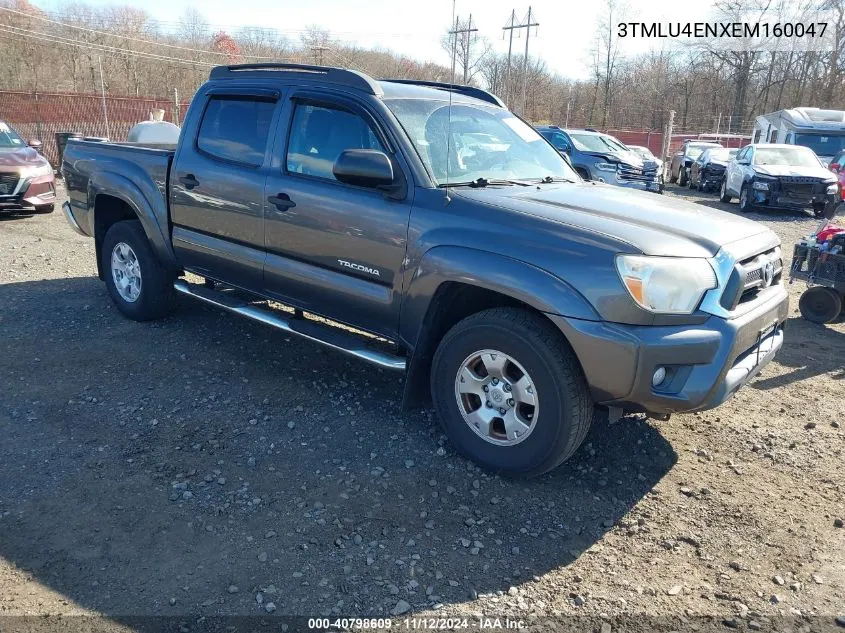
<point x="318" y="136"/>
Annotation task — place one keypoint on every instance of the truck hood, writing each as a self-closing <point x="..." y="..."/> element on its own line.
<point x="651" y="223"/>
<point x="629" y="158"/>
<point x="788" y="170"/>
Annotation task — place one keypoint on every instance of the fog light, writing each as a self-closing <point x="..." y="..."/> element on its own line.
<point x="659" y="376"/>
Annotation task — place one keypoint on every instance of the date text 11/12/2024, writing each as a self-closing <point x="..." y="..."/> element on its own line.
<point x="417" y="624"/>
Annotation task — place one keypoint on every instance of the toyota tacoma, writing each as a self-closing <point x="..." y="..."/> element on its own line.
<point x="424" y="228"/>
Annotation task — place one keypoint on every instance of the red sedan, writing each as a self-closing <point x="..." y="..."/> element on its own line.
<point x="27" y="183"/>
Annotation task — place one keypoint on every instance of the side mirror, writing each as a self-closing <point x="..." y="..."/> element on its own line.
<point x="364" y="168"/>
<point x="34" y="143"/>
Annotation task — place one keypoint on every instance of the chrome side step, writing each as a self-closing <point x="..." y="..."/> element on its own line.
<point x="325" y="335"/>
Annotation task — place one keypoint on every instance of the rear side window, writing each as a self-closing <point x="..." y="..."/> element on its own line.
<point x="236" y="129"/>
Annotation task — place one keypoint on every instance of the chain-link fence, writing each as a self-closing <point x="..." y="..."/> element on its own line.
<point x="38" y="115"/>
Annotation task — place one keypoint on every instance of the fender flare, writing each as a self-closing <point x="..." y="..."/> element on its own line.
<point x="125" y="189"/>
<point x="510" y="277"/>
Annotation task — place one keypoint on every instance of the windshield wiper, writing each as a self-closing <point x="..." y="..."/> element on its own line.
<point x="485" y="182"/>
<point x="547" y="180"/>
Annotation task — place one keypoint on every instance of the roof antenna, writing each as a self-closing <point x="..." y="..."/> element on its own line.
<point x="447" y="199"/>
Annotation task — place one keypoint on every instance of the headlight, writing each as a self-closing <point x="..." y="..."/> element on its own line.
<point x="833" y="188"/>
<point x="673" y="285"/>
<point x="35" y="172"/>
<point x="759" y="185"/>
<point x="605" y="166"/>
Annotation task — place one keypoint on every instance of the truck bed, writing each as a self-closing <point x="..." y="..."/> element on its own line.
<point x="142" y="168"/>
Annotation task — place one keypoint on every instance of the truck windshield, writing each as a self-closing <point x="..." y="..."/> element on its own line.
<point x="791" y="156"/>
<point x="821" y="145"/>
<point x="486" y="143"/>
<point x="597" y="143"/>
<point x="9" y="138"/>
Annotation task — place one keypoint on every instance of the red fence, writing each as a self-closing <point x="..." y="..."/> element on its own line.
<point x="41" y="115"/>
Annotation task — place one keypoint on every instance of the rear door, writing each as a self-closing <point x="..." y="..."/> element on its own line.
<point x="217" y="185"/>
<point x="335" y="249"/>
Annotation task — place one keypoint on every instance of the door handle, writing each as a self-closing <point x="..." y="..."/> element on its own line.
<point x="281" y="201"/>
<point x="189" y="181"/>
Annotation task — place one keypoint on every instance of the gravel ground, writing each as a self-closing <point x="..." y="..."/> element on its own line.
<point x="208" y="465"/>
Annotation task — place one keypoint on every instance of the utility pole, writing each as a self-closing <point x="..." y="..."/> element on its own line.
<point x="510" y="29"/>
<point x="103" y="92"/>
<point x="667" y="141"/>
<point x="528" y="24"/>
<point x="318" y="50"/>
<point x="465" y="33"/>
<point x="568" y="106"/>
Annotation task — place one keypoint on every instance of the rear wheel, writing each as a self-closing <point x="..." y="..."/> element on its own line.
<point x="724" y="196"/>
<point x="509" y="392"/>
<point x="820" y="304"/>
<point x="682" y="176"/>
<point x="140" y="286"/>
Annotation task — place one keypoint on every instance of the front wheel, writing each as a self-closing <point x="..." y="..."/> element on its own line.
<point x="724" y="196"/>
<point x="140" y="286"/>
<point x="509" y="392"/>
<point x="745" y="204"/>
<point x="682" y="176"/>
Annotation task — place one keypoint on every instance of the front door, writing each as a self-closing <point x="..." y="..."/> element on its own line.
<point x="334" y="249"/>
<point x="217" y="186"/>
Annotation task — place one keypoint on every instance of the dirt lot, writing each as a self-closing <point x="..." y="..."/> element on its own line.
<point x="206" y="465"/>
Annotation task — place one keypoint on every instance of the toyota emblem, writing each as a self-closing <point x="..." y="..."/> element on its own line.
<point x="768" y="273"/>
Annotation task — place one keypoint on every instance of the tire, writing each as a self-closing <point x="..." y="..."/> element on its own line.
<point x="672" y="175"/>
<point x="682" y="176"/>
<point x="155" y="295"/>
<point x="820" y="304"/>
<point x="818" y="211"/>
<point x="745" y="204"/>
<point x="562" y="409"/>
<point x="583" y="173"/>
<point x="724" y="196"/>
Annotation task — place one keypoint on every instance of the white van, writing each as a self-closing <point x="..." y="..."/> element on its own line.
<point x="823" y="131"/>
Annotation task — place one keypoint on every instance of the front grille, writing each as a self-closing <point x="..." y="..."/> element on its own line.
<point x="801" y="186"/>
<point x="8" y="184"/>
<point x="752" y="276"/>
<point x="629" y="173"/>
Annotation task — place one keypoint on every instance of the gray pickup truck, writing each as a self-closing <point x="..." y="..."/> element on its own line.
<point x="424" y="228"/>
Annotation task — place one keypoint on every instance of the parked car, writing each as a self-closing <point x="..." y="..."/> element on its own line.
<point x="837" y="166"/>
<point x="682" y="160"/>
<point x="603" y="158"/>
<point x="708" y="169"/>
<point x="27" y="183"/>
<point x="645" y="154"/>
<point x="515" y="296"/>
<point x="784" y="176"/>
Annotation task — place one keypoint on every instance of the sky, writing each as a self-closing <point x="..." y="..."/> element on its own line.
<point x="563" y="39"/>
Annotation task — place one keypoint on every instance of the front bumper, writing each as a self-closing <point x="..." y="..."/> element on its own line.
<point x="712" y="181"/>
<point x="706" y="362"/>
<point x="32" y="195"/>
<point x="793" y="202"/>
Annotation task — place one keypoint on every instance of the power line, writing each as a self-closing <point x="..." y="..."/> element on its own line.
<point x="527" y="25"/>
<point x="26" y="35"/>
